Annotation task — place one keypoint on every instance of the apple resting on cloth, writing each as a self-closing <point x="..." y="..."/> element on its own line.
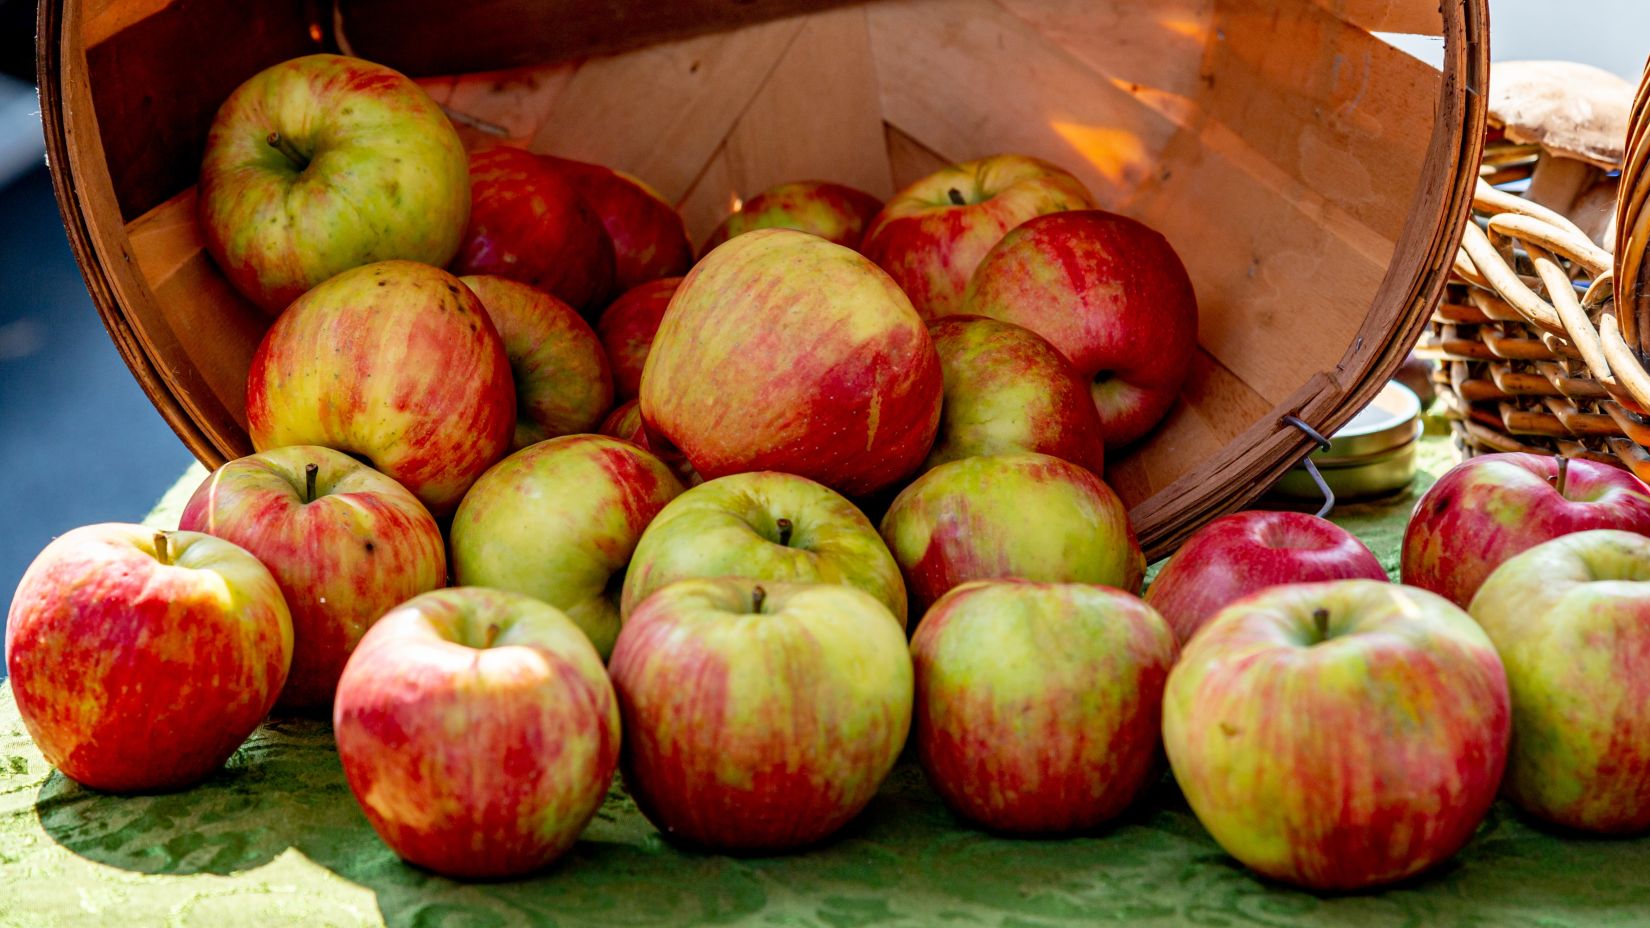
<point x="344" y="543"/>
<point x="1039" y="705"/>
<point x="478" y="731"/>
<point x="558" y="521"/>
<point x="563" y="384"/>
<point x="767" y="526"/>
<point x="324" y="163"/>
<point x="1111" y="294"/>
<point x="759" y="716"/>
<point x="834" y="212"/>
<point x="140" y="660"/>
<point x="1007" y="389"/>
<point x="1338" y="735"/>
<point x="1488" y="508"/>
<point x="782" y="351"/>
<point x="932" y="234"/>
<point x="1246" y="552"/>
<point x="528" y="223"/>
<point x="1571" y="620"/>
<point x="649" y="241"/>
<point x="1024" y="515"/>
<point x="395" y="362"/>
<point x="627" y="327"/>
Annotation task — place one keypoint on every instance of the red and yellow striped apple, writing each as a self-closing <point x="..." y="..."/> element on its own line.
<point x="932" y="234"/>
<point x="397" y="363"/>
<point x="561" y="375"/>
<point x="649" y="241"/>
<point x="1111" y="294"/>
<point x="759" y="716"/>
<point x="1039" y="705"/>
<point x="834" y="212"/>
<point x="625" y="421"/>
<point x="627" y="328"/>
<point x="1338" y="735"/>
<point x="344" y="543"/>
<point x="782" y="351"/>
<point x="478" y="731"/>
<point x="140" y="660"/>
<point x="1022" y="515"/>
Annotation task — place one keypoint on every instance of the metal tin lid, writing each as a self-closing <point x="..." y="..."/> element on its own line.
<point x="1391" y="420"/>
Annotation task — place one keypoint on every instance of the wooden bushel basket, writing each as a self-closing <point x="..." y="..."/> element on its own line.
<point x="1314" y="179"/>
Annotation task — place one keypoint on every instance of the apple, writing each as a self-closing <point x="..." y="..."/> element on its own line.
<point x="1571" y="620"/>
<point x="625" y="422"/>
<point x="1007" y="389"/>
<point x="932" y="234"/>
<point x="1338" y="735"/>
<point x="759" y="716"/>
<point x="478" y="731"/>
<point x="1246" y="552"/>
<point x="769" y="526"/>
<point x="396" y="363"/>
<point x="1022" y="515"/>
<point x="140" y="660"/>
<point x="558" y="522"/>
<point x="834" y="212"/>
<point x="627" y="328"/>
<point x="1039" y="705"/>
<point x="528" y="223"/>
<point x="782" y="351"/>
<point x="323" y="163"/>
<point x="344" y="543"/>
<point x="1487" y="509"/>
<point x="1111" y="294"/>
<point x="649" y="241"/>
<point x="562" y="380"/>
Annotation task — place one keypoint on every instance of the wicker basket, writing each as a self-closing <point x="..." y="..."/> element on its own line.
<point x="1314" y="178"/>
<point x="1543" y="343"/>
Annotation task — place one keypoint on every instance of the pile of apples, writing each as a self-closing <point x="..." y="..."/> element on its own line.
<point x="693" y="591"/>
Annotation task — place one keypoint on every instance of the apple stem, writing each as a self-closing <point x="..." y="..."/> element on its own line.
<point x="784" y="526"/>
<point x="956" y="197"/>
<point x="1320" y="623"/>
<point x="491" y="636"/>
<point x="758" y="596"/>
<point x="310" y="470"/>
<point x="1563" y="473"/>
<point x="161" y="553"/>
<point x="283" y="145"/>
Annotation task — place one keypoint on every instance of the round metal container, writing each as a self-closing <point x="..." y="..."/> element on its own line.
<point x="1373" y="455"/>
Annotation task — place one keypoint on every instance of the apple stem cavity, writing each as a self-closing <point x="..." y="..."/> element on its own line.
<point x="758" y="597"/>
<point x="956" y="197"/>
<point x="785" y="527"/>
<point x="161" y="553"/>
<point x="1563" y="473"/>
<point x="310" y="470"/>
<point x="1320" y="624"/>
<point x="284" y="145"/>
<point x="491" y="636"/>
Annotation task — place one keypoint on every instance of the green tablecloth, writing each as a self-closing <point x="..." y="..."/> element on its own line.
<point x="276" y="839"/>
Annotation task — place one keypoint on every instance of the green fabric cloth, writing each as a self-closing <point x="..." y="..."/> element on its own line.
<point x="275" y="839"/>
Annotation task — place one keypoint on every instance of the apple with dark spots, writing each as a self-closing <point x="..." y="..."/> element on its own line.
<point x="563" y="383"/>
<point x="649" y="241"/>
<point x="835" y="212"/>
<point x="140" y="660"/>
<point x="344" y="543"/>
<point x="396" y="363"/>
<point x="1246" y="552"/>
<point x="759" y="716"/>
<point x="558" y="521"/>
<point x="1488" y="508"/>
<point x="478" y="731"/>
<point x="627" y="328"/>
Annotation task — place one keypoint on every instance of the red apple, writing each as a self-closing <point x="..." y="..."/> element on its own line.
<point x="478" y="731"/>
<point x="627" y="328"/>
<point x="1246" y="552"/>
<point x="932" y="234"/>
<point x="782" y="351"/>
<point x="396" y="363"/>
<point x="758" y="716"/>
<point x="625" y="422"/>
<point x="344" y="542"/>
<point x="324" y="163"/>
<point x="649" y="241"/>
<point x="1007" y="389"/>
<point x="1039" y="705"/>
<point x="1112" y="295"/>
<point x="563" y="383"/>
<point x="528" y="223"/>
<point x="140" y="660"/>
<point x="1489" y="508"/>
<point x="834" y="212"/>
<point x="1338" y="735"/>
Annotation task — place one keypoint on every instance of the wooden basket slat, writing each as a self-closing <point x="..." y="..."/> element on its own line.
<point x="1415" y="17"/>
<point x="908" y="159"/>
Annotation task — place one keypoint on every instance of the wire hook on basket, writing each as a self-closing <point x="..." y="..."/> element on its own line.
<point x="1311" y="468"/>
